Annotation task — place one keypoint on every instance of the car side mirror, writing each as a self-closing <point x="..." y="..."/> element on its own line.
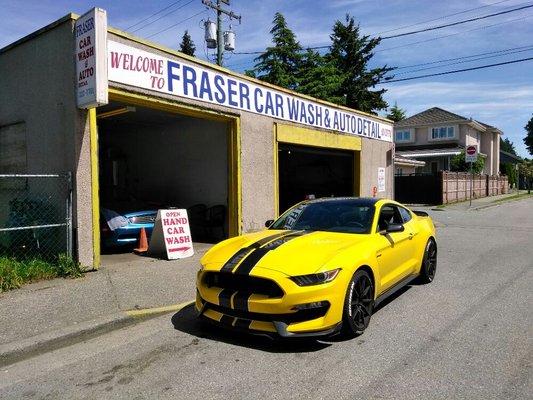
<point x="268" y="223"/>
<point x="394" y="227"/>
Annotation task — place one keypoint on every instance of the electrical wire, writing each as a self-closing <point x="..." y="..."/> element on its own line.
<point x="173" y="25"/>
<point x="385" y="80"/>
<point x="163" y="16"/>
<point x="153" y="15"/>
<point x="457" y="23"/>
<point x="439" y="18"/>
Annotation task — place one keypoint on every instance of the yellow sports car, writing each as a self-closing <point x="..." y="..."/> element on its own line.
<point x="319" y="269"/>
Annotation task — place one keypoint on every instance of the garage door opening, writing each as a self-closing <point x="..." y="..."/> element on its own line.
<point x="306" y="171"/>
<point x="152" y="159"/>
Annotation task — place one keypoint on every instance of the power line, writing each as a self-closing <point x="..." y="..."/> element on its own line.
<point x="457" y="23"/>
<point x="385" y="80"/>
<point x="173" y="25"/>
<point x="453" y="34"/>
<point x="153" y="15"/>
<point x="163" y="16"/>
<point x="522" y="48"/>
<point x="439" y="18"/>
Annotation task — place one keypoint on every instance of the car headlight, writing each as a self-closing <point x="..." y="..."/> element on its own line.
<point x="315" y="279"/>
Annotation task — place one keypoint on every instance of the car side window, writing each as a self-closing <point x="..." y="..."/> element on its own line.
<point x="406" y="215"/>
<point x="388" y="215"/>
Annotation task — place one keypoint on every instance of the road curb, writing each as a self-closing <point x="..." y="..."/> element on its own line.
<point x="13" y="352"/>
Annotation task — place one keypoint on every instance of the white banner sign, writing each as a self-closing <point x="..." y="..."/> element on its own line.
<point x="91" y="61"/>
<point x="131" y="66"/>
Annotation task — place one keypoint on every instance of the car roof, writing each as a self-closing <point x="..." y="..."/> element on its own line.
<point x="360" y="201"/>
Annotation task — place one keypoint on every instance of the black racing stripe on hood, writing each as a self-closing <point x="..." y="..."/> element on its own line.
<point x="236" y="259"/>
<point x="253" y="258"/>
<point x="230" y="265"/>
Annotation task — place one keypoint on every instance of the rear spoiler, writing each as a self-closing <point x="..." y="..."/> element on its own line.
<point x="421" y="213"/>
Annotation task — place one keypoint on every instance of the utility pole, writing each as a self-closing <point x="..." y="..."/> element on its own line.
<point x="220" y="11"/>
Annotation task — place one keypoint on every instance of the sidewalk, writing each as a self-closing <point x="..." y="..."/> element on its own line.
<point x="479" y="203"/>
<point x="43" y="316"/>
<point x="46" y="315"/>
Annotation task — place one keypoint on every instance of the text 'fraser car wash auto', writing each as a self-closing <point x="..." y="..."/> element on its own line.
<point x="319" y="269"/>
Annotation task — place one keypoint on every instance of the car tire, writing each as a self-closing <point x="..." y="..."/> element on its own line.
<point x="358" y="304"/>
<point x="429" y="262"/>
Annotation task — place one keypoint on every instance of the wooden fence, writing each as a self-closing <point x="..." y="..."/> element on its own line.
<point x="459" y="186"/>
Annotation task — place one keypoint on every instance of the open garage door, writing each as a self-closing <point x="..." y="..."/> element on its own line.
<point x="153" y="159"/>
<point x="306" y="170"/>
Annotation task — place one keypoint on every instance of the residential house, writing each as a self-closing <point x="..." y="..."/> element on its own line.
<point x="435" y="136"/>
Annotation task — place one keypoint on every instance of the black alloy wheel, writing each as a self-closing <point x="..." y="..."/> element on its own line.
<point x="358" y="304"/>
<point x="429" y="262"/>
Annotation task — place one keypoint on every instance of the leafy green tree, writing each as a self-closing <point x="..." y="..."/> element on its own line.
<point x="395" y="113"/>
<point x="350" y="53"/>
<point x="528" y="140"/>
<point x="187" y="45"/>
<point x="458" y="164"/>
<point x="507" y="146"/>
<point x="525" y="168"/>
<point x="317" y="77"/>
<point x="509" y="169"/>
<point x="280" y="63"/>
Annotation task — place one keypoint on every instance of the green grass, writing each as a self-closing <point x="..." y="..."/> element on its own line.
<point x="516" y="196"/>
<point x="15" y="273"/>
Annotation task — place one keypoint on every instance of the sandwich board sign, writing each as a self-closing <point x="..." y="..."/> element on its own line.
<point x="171" y="235"/>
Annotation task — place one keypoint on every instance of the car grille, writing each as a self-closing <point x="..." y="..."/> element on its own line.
<point x="297" y="316"/>
<point x="142" y="219"/>
<point x="243" y="283"/>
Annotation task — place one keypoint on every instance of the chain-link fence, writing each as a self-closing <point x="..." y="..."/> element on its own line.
<point x="35" y="216"/>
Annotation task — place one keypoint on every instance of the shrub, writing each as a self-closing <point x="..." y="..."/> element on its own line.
<point x="14" y="273"/>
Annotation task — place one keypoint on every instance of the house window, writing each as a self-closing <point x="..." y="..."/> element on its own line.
<point x="403" y="136"/>
<point x="443" y="133"/>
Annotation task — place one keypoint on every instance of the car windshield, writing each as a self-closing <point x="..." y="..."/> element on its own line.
<point x="346" y="216"/>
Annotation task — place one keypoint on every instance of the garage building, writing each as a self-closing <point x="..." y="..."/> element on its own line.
<point x="174" y="131"/>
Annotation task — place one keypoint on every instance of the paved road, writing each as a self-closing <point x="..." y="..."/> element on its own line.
<point x="468" y="335"/>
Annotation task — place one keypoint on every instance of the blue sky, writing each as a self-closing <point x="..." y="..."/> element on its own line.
<point x="501" y="96"/>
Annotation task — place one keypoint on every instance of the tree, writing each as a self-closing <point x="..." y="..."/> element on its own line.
<point x="280" y="63"/>
<point x="187" y="45"/>
<point x="507" y="146"/>
<point x="458" y="164"/>
<point x="350" y="53"/>
<point x="395" y="113"/>
<point x="317" y="77"/>
<point x="528" y="140"/>
<point x="525" y="169"/>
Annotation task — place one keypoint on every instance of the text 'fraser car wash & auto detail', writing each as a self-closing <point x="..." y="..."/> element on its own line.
<point x="139" y="68"/>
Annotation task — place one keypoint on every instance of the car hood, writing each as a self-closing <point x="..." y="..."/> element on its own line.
<point x="289" y="252"/>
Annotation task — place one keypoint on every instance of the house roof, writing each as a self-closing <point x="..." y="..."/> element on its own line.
<point x="399" y="160"/>
<point x="429" y="152"/>
<point x="506" y="157"/>
<point x="438" y="116"/>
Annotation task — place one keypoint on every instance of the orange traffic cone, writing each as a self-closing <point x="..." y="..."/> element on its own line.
<point x="143" y="243"/>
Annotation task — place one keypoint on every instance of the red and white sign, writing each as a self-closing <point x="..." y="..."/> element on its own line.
<point x="172" y="234"/>
<point x="471" y="153"/>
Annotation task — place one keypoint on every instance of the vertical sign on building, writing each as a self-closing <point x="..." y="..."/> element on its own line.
<point x="381" y="180"/>
<point x="90" y="38"/>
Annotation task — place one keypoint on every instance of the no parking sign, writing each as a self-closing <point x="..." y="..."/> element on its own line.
<point x="471" y="153"/>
